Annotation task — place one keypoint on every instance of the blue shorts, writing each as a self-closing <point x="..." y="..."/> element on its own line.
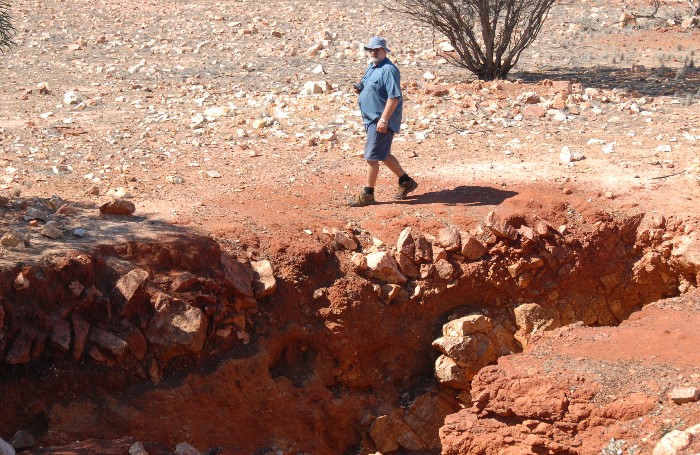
<point x="378" y="145"/>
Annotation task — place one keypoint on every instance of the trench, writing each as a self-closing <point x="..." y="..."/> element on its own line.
<point x="346" y="349"/>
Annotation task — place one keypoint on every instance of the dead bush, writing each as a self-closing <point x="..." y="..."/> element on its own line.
<point x="488" y="36"/>
<point x="6" y="28"/>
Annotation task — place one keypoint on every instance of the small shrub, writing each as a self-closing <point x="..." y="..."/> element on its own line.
<point x="695" y="5"/>
<point x="669" y="426"/>
<point x="688" y="100"/>
<point x="613" y="447"/>
<point x="661" y="70"/>
<point x="686" y="69"/>
<point x="587" y="24"/>
<point x="488" y="36"/>
<point x="7" y="31"/>
<point x="682" y="72"/>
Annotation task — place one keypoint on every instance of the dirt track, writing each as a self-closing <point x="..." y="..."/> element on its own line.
<point x="173" y="109"/>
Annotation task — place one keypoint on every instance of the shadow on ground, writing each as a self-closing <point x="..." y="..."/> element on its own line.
<point x="660" y="81"/>
<point x="461" y="195"/>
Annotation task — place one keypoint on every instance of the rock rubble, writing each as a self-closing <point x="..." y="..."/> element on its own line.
<point x="147" y="315"/>
<point x="471" y="342"/>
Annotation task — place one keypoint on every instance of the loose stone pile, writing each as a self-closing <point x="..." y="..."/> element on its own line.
<point x="109" y="308"/>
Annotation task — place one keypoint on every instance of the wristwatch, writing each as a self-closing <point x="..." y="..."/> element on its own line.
<point x="382" y="120"/>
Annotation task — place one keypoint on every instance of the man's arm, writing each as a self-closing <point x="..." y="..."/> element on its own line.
<point x="389" y="108"/>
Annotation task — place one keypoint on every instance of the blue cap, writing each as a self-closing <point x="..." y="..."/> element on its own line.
<point x="376" y="42"/>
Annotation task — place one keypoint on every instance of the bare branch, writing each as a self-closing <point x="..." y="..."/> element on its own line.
<point x="695" y="6"/>
<point x="651" y="15"/>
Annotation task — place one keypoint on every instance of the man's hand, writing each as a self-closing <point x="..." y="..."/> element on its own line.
<point x="389" y="108"/>
<point x="382" y="125"/>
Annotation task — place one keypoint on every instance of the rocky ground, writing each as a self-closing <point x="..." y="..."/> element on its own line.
<point x="236" y="121"/>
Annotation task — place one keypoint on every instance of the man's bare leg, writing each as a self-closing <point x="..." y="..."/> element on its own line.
<point x="372" y="173"/>
<point x="394" y="166"/>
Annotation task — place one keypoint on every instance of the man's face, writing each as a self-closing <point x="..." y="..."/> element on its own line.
<point x="377" y="55"/>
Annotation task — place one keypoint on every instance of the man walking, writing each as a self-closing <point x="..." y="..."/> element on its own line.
<point x="381" y="105"/>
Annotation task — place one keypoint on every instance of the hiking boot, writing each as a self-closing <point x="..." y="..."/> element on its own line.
<point x="361" y="200"/>
<point x="405" y="188"/>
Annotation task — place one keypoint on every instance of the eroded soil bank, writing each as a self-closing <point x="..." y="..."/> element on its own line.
<point x="333" y="343"/>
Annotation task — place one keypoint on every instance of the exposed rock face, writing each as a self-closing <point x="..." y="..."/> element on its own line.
<point x="472" y="248"/>
<point x="686" y="252"/>
<point x="5" y="448"/>
<point x="345" y="240"/>
<point x="427" y="414"/>
<point x="390" y="433"/>
<point x="677" y="442"/>
<point x="500" y="227"/>
<point x="359" y="261"/>
<point x="264" y="282"/>
<point x="21" y="348"/>
<point x="131" y="285"/>
<point x="417" y="427"/>
<point x="423" y="250"/>
<point x="449" y="373"/>
<point x="60" y="336"/>
<point x="406" y="244"/>
<point x="467" y="325"/>
<point x="85" y="319"/>
<point x="540" y="402"/>
<point x="406" y="265"/>
<point x="81" y="329"/>
<point x="681" y="395"/>
<point x="445" y="270"/>
<point x="471" y="352"/>
<point x="176" y="328"/>
<point x="238" y="276"/>
<point x="118" y="207"/>
<point x="383" y="266"/>
<point x="531" y="318"/>
<point x="449" y="238"/>
<point x="184" y="282"/>
<point x="108" y="342"/>
<point x="584" y="390"/>
<point x="468" y="344"/>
